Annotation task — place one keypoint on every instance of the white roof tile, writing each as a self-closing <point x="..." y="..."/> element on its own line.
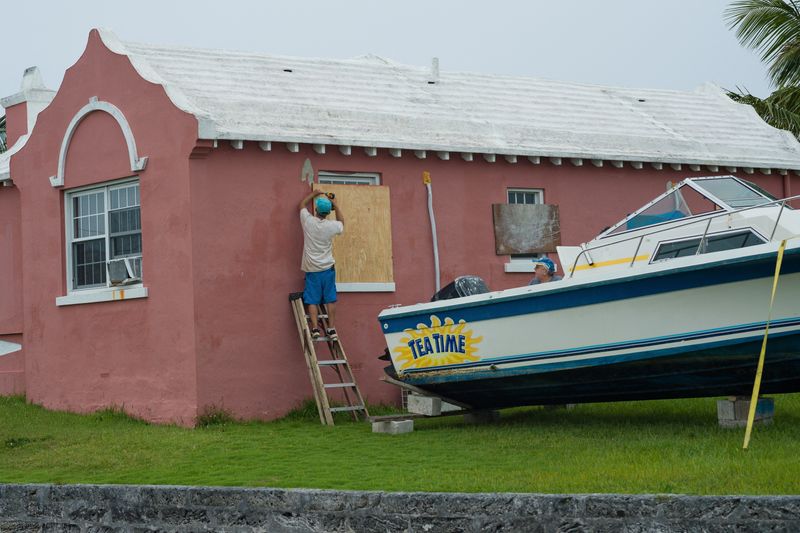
<point x="371" y="101"/>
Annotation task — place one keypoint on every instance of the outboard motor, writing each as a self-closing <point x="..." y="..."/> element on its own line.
<point x="460" y="287"/>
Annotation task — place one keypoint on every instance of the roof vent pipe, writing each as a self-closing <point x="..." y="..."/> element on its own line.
<point x="434" y="77"/>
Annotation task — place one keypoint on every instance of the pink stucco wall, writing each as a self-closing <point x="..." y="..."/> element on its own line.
<point x="16" y="122"/>
<point x="247" y="245"/>
<point x="222" y="244"/>
<point x="12" y="366"/>
<point x="136" y="354"/>
<point x="10" y="262"/>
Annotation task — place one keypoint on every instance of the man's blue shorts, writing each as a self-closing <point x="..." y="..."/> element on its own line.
<point x="320" y="287"/>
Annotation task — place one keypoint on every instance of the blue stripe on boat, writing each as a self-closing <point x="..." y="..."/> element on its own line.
<point x="708" y="274"/>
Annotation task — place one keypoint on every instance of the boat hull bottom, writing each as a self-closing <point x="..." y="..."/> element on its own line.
<point x="726" y="371"/>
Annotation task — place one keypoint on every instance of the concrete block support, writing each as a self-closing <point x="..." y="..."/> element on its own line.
<point x="393" y="427"/>
<point x="733" y="412"/>
<point x="424" y="405"/>
<point x="428" y="405"/>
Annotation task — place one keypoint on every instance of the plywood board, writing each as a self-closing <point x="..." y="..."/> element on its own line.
<point x="363" y="252"/>
<point x="526" y="228"/>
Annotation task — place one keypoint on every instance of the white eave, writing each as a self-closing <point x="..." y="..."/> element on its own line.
<point x="375" y="103"/>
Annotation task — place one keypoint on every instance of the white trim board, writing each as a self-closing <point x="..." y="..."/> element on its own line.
<point x="109" y="294"/>
<point x="137" y="163"/>
<point x="365" y="287"/>
<point x="519" y="266"/>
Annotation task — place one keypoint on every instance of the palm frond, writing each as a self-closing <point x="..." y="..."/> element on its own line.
<point x="3" y="146"/>
<point x="771" y="27"/>
<point x="781" y="109"/>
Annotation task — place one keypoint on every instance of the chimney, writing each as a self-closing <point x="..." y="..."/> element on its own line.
<point x="23" y="107"/>
<point x="434" y="76"/>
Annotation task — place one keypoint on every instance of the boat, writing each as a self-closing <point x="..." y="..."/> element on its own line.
<point x="671" y="302"/>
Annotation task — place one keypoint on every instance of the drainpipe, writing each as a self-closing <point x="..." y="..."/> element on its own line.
<point x="426" y="179"/>
<point x="787" y="184"/>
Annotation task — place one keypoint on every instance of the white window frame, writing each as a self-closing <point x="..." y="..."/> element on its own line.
<point x="95" y="294"/>
<point x="355" y="178"/>
<point x="348" y="178"/>
<point x="522" y="263"/>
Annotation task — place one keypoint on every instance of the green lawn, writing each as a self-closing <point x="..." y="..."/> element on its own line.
<point x="637" y="447"/>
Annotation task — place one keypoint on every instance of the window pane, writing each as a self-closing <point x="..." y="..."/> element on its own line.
<point x="125" y="220"/>
<point x="89" y="263"/>
<point x="733" y="192"/>
<point x="717" y="243"/>
<point x="524" y="197"/>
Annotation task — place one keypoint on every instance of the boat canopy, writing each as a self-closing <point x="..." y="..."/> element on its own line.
<point x="694" y="196"/>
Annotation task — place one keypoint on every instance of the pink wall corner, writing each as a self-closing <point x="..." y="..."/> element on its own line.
<point x="136" y="354"/>
<point x="16" y="122"/>
<point x="12" y="368"/>
<point x="10" y="262"/>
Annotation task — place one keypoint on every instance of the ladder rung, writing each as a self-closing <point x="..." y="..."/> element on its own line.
<point x="349" y="408"/>
<point x="332" y="362"/>
<point x="320" y="316"/>
<point x="324" y="339"/>
<point x="338" y="385"/>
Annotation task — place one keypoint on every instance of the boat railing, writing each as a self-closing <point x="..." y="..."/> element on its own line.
<point x="701" y="246"/>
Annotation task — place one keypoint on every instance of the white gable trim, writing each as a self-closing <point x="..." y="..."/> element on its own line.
<point x="137" y="163"/>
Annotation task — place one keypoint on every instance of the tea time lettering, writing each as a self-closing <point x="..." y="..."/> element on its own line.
<point x="437" y="343"/>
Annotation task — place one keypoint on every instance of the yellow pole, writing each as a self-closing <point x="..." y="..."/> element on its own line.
<point x="751" y="415"/>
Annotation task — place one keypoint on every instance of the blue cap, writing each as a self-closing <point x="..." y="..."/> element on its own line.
<point x="545" y="262"/>
<point x="323" y="205"/>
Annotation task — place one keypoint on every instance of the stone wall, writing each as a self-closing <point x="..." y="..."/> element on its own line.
<point x="111" y="508"/>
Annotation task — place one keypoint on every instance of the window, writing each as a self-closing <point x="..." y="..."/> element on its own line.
<point x="525" y="196"/>
<point x="340" y="178"/>
<point x="363" y="252"/>
<point x="714" y="243"/>
<point x="525" y="228"/>
<point x="104" y="232"/>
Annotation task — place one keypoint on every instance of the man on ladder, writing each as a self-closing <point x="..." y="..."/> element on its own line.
<point x="318" y="262"/>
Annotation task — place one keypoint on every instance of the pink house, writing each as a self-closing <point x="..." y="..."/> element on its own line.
<point x="149" y="235"/>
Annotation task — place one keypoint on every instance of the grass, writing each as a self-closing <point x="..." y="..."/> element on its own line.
<point x="638" y="447"/>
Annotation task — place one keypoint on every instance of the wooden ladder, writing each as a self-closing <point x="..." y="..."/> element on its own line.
<point x="341" y="374"/>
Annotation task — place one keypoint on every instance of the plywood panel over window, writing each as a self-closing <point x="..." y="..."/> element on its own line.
<point x="526" y="228"/>
<point x="363" y="252"/>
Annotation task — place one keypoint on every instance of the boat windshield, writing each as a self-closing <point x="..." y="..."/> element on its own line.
<point x="694" y="197"/>
<point x="734" y="193"/>
<point x="672" y="206"/>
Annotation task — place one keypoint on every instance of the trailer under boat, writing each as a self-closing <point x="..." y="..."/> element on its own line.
<point x="671" y="302"/>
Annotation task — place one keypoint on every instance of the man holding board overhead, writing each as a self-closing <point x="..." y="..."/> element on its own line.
<point x="318" y="262"/>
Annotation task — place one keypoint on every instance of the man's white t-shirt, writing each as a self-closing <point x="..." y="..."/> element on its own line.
<point x="318" y="241"/>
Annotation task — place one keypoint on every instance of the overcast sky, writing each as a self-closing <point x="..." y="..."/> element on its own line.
<point x="671" y="44"/>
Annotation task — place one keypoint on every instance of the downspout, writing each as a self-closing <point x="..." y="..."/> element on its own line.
<point x="426" y="179"/>
<point x="787" y="184"/>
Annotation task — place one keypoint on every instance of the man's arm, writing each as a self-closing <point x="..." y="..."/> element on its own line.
<point x="339" y="215"/>
<point x="308" y="198"/>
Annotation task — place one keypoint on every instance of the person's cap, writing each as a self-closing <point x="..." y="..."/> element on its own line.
<point x="545" y="262"/>
<point x="323" y="205"/>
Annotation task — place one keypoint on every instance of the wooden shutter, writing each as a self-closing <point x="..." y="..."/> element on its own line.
<point x="363" y="252"/>
<point x="526" y="228"/>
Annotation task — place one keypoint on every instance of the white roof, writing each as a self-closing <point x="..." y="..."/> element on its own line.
<point x="371" y="101"/>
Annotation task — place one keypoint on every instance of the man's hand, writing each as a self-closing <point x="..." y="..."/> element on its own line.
<point x="308" y="198"/>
